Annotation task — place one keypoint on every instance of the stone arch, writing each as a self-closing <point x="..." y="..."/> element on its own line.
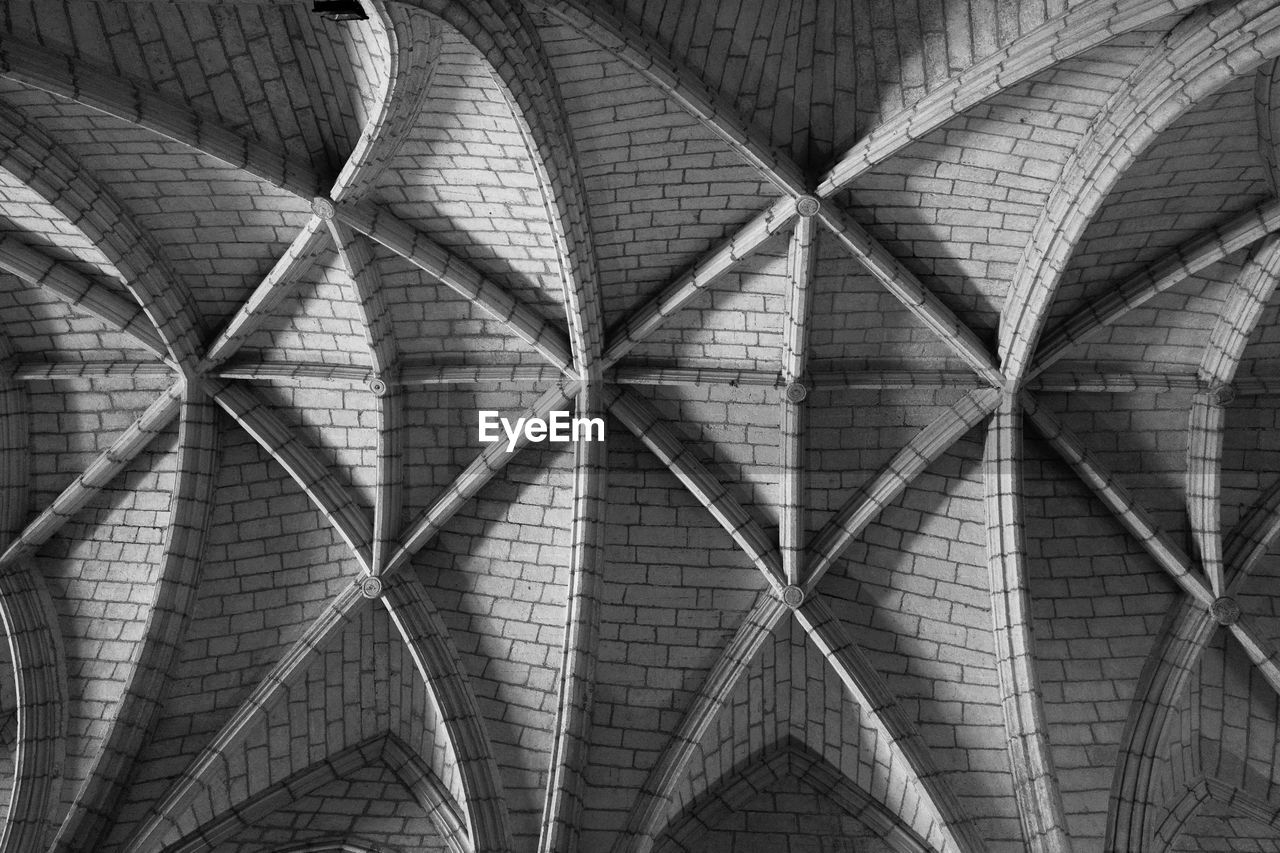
<point x="1201" y="54"/>
<point x="787" y="758"/>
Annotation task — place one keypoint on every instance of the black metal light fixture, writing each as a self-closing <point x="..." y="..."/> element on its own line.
<point x="340" y="10"/>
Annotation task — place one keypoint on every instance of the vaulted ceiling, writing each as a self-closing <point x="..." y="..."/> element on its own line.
<point x="939" y="347"/>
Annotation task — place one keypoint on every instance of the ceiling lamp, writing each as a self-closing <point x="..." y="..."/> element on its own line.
<point x="340" y="10"/>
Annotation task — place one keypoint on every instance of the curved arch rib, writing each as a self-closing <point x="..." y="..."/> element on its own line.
<point x="679" y="83"/>
<point x="62" y="281"/>
<point x="647" y="813"/>
<point x="486" y="465"/>
<point x="1241" y="313"/>
<point x="337" y="614"/>
<point x="1164" y="678"/>
<point x="1163" y="682"/>
<point x="1035" y="781"/>
<point x="430" y="792"/>
<point x="1084" y="26"/>
<point x="1199" y="253"/>
<point x="1251" y="538"/>
<point x="98" y="88"/>
<point x="44" y="167"/>
<point x="1202" y="53"/>
<point x="684" y="88"/>
<point x="869" y="691"/>
<point x="563" y="805"/>
<point x="35" y="646"/>
<point x="353" y="250"/>
<point x="504" y="34"/>
<point x="1249" y="297"/>
<point x="386" y="749"/>
<point x="388" y="505"/>
<point x="1265" y="99"/>
<point x="340" y="611"/>
<point x="1265" y="656"/>
<point x="413" y="49"/>
<point x="1208" y="788"/>
<point x="739" y="785"/>
<point x="56" y="73"/>
<point x="354" y="253"/>
<point x="35" y="651"/>
<point x="1132" y="517"/>
<point x="271" y="799"/>
<point x="441" y="669"/>
<point x="1203" y="483"/>
<point x="138" y="710"/>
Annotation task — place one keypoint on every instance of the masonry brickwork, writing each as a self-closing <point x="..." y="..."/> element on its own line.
<point x="937" y="344"/>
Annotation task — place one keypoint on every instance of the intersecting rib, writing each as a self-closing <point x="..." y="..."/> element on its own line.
<point x="337" y="614"/>
<point x="388" y="504"/>
<point x="1163" y="682"/>
<point x="413" y="42"/>
<point x="1170" y="663"/>
<point x="1264" y="654"/>
<point x="1248" y="299"/>
<point x="37" y="660"/>
<point x="1251" y="538"/>
<point x="46" y="168"/>
<point x="278" y="796"/>
<point x="1203" y="484"/>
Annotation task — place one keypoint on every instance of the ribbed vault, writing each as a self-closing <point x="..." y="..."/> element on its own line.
<point x="936" y="343"/>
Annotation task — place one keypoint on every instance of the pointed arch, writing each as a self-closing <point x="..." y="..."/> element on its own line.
<point x="788" y="757"/>
<point x="1202" y="53"/>
<point x="385" y="749"/>
<point x="505" y="36"/>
